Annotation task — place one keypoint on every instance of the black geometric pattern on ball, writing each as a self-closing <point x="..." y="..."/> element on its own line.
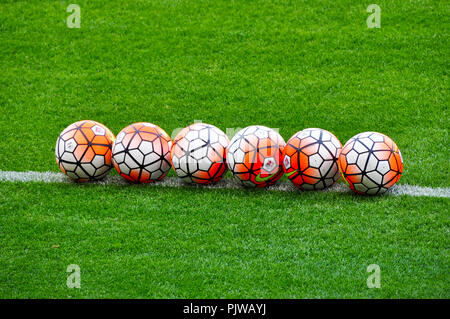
<point x="140" y="156"/>
<point x="80" y="167"/>
<point x="372" y="156"/>
<point x="195" y="152"/>
<point x="320" y="161"/>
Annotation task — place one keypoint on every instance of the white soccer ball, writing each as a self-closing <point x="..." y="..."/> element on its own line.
<point x="370" y="163"/>
<point x="198" y="154"/>
<point x="141" y="153"/>
<point x="254" y="156"/>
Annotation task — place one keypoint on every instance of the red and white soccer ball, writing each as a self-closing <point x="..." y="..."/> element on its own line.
<point x="83" y="151"/>
<point x="198" y="154"/>
<point x="254" y="156"/>
<point x="310" y="159"/>
<point x="370" y="163"/>
<point x="141" y="153"/>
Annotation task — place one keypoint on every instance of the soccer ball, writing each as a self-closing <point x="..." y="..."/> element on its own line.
<point x="254" y="156"/>
<point x="310" y="159"/>
<point x="370" y="163"/>
<point x="141" y="153"/>
<point x="198" y="154"/>
<point x="83" y="151"/>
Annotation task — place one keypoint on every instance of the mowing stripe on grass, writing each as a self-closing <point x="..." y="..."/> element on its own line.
<point x="52" y="177"/>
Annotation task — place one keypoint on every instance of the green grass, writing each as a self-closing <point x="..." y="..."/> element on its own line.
<point x="283" y="64"/>
<point x="146" y="242"/>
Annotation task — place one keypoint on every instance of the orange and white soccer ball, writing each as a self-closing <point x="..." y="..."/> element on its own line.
<point x="254" y="156"/>
<point x="310" y="159"/>
<point x="141" y="153"/>
<point x="370" y="163"/>
<point x="83" y="151"/>
<point x="198" y="154"/>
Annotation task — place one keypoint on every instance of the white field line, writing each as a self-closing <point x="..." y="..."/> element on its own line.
<point x="52" y="177"/>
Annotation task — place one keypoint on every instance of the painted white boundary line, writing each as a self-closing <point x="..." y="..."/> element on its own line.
<point x="52" y="177"/>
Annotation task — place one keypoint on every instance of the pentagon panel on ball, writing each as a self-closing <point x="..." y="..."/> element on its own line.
<point x="141" y="153"/>
<point x="310" y="159"/>
<point x="83" y="151"/>
<point x="254" y="156"/>
<point x="198" y="154"/>
<point x="370" y="163"/>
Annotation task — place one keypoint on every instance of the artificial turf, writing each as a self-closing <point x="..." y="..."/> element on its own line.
<point x="283" y="64"/>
